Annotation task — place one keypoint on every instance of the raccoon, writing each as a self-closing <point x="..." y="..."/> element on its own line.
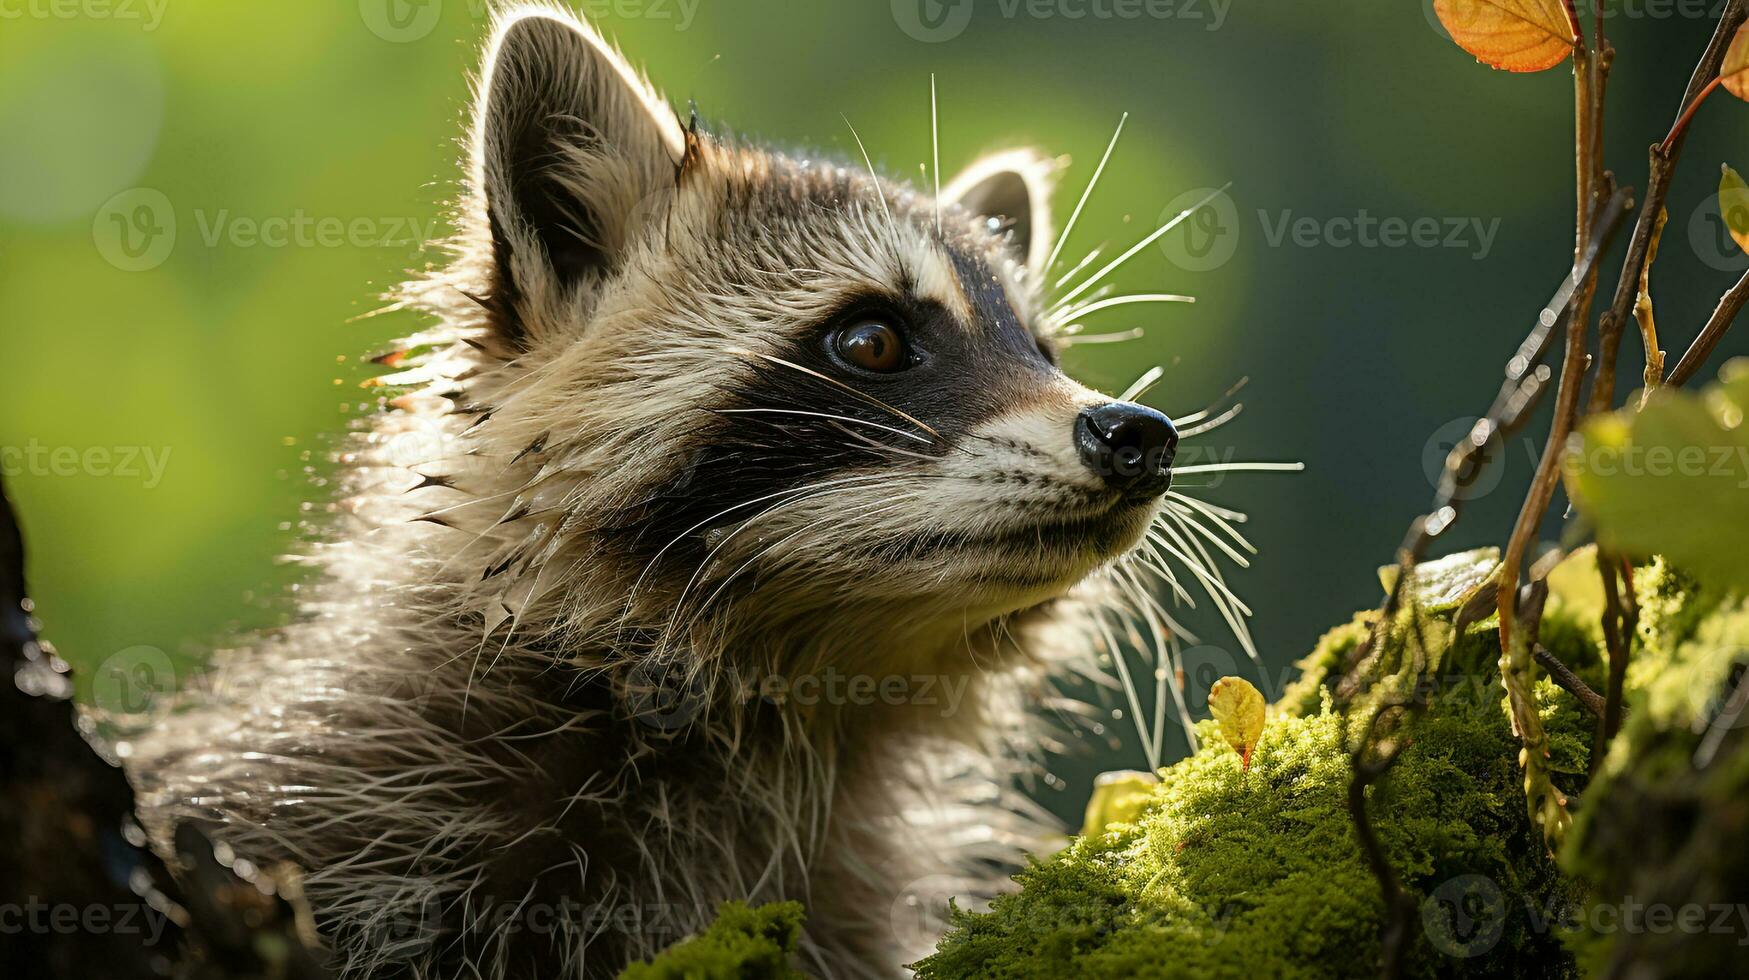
<point x="723" y="538"/>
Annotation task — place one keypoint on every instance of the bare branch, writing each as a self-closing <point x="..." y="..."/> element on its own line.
<point x="1729" y="306"/>
<point x="1563" y="675"/>
<point x="1663" y="163"/>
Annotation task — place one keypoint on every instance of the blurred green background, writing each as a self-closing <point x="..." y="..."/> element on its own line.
<point x="168" y="395"/>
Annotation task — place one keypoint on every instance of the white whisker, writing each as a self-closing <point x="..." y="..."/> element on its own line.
<point x="1151" y="561"/>
<point x="711" y="557"/>
<point x="1242" y="468"/>
<point x="1145" y="597"/>
<point x="1237" y="517"/>
<point x="1105" y="338"/>
<point x="1086" y="193"/>
<point x="1213" y="585"/>
<point x="1220" y="516"/>
<point x="1165" y="640"/>
<point x="1109" y="267"/>
<point x="1088" y="260"/>
<point x="1143" y="384"/>
<point x="1214" y="406"/>
<point x="1115" y="301"/>
<point x="879" y="194"/>
<point x="1129" y="690"/>
<point x="935" y="146"/>
<point x="792" y="491"/>
<point x="823" y="415"/>
<point x="1228" y="604"/>
<point x="1214" y="423"/>
<point x="1185" y="520"/>
<point x="838" y="384"/>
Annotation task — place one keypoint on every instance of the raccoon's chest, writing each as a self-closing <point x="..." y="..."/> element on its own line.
<point x="633" y="837"/>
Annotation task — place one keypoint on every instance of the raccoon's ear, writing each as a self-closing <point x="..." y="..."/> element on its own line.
<point x="569" y="141"/>
<point x="1014" y="187"/>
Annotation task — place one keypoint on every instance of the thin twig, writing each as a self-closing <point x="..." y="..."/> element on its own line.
<point x="1643" y="311"/>
<point x="1729" y="306"/>
<point x="1681" y="125"/>
<point x="1512" y="405"/>
<point x="1563" y="675"/>
<point x="1399" y="907"/>
<point x="1663" y="163"/>
<point x="1634" y="282"/>
<point x="1620" y="619"/>
<point x="1573" y="26"/>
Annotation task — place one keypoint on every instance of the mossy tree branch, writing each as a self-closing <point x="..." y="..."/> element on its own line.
<point x="1371" y="759"/>
<point x="77" y="843"/>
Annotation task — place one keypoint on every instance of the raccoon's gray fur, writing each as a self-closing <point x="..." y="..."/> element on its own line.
<point x="565" y="677"/>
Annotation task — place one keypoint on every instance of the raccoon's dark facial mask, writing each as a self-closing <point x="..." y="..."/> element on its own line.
<point x="788" y="374"/>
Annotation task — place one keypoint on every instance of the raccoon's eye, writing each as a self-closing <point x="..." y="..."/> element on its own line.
<point x="872" y="345"/>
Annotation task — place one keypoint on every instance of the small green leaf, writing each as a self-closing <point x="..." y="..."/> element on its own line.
<point x="1734" y="206"/>
<point x="1118" y="797"/>
<point x="1576" y="581"/>
<point x="1673" y="478"/>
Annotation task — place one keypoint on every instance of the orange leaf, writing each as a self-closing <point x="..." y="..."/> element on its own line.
<point x="1514" y="35"/>
<point x="1734" y="73"/>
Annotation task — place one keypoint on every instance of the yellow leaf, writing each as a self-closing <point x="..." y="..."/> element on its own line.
<point x="1734" y="206"/>
<point x="1514" y="35"/>
<point x="1118" y="797"/>
<point x="1238" y="708"/>
<point x="1734" y="72"/>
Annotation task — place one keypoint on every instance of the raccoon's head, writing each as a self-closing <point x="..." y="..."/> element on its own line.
<point x="713" y="387"/>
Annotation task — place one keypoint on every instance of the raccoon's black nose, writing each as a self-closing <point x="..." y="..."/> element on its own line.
<point x="1130" y="446"/>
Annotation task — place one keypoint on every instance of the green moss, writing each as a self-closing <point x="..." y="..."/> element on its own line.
<point x="1660" y="842"/>
<point x="1305" y="695"/>
<point x="1235" y="873"/>
<point x="743" y="944"/>
<point x="1228" y="872"/>
<point x="1232" y="873"/>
